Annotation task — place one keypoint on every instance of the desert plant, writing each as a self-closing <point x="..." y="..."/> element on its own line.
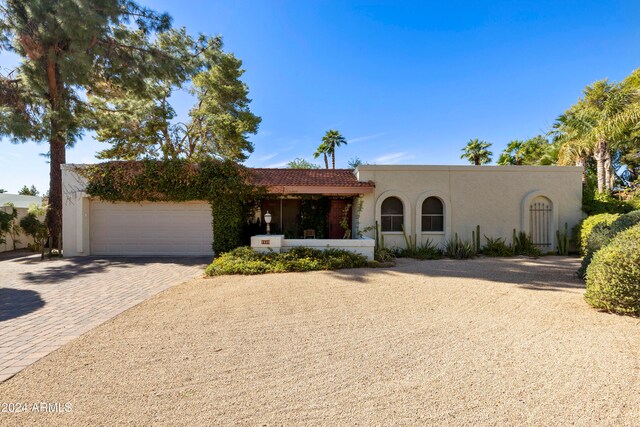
<point x="613" y="277"/>
<point x="425" y="250"/>
<point x="563" y="240"/>
<point x="475" y="237"/>
<point x="523" y="245"/>
<point x="383" y="255"/>
<point x="459" y="249"/>
<point x="496" y="247"/>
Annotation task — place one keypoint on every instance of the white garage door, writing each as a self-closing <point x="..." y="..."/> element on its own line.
<point x="151" y="228"/>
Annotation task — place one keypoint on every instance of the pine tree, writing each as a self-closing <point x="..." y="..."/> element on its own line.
<point x="70" y="49"/>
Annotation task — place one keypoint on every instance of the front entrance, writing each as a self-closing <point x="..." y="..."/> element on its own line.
<point x="340" y="209"/>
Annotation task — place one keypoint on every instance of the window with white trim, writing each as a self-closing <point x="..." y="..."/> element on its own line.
<point x="432" y="215"/>
<point x="392" y="214"/>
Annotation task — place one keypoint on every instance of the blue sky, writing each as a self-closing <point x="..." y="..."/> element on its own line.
<point x="405" y="82"/>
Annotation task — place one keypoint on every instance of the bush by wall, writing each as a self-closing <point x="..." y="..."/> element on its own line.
<point x="244" y="260"/>
<point x="613" y="277"/>
<point x="496" y="247"/>
<point x="602" y="234"/>
<point x="587" y="225"/>
<point x="224" y="184"/>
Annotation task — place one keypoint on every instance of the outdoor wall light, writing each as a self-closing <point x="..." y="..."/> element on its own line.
<point x="267" y="219"/>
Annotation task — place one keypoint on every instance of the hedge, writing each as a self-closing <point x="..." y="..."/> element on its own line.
<point x="602" y="234"/>
<point x="613" y="277"/>
<point x="586" y="226"/>
<point x="245" y="260"/>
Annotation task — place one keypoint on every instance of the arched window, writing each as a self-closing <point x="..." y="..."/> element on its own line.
<point x="432" y="214"/>
<point x="392" y="214"/>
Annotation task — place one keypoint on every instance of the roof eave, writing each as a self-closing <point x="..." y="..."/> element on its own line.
<point x="317" y="189"/>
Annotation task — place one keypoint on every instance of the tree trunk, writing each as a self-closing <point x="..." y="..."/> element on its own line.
<point x="600" y="155"/>
<point x="326" y="161"/>
<point x="608" y="173"/>
<point x="333" y="160"/>
<point x="57" y="153"/>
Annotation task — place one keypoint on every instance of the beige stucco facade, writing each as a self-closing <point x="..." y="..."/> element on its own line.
<point x="498" y="198"/>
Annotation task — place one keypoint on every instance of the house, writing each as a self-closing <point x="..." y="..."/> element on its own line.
<point x="21" y="205"/>
<point x="341" y="207"/>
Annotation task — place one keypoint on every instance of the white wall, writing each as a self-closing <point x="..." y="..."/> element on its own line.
<point x="493" y="197"/>
<point x="75" y="213"/>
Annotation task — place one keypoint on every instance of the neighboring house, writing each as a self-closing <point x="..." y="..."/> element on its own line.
<point x="21" y="204"/>
<point x="430" y="202"/>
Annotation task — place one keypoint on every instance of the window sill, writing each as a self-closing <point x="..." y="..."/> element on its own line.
<point x="434" y="233"/>
<point x="399" y="233"/>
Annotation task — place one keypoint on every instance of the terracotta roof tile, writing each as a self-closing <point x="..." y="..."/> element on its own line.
<point x="307" y="177"/>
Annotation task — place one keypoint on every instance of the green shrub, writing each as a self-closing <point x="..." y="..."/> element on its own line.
<point x="613" y="277"/>
<point x="459" y="249"/>
<point x="602" y="234"/>
<point x="425" y="250"/>
<point x="383" y="254"/>
<point x="34" y="228"/>
<point x="523" y="245"/>
<point x="587" y="225"/>
<point x="594" y="203"/>
<point x="496" y="247"/>
<point x="244" y="260"/>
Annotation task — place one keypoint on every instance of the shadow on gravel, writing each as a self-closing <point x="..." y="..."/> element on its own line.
<point x="18" y="302"/>
<point x="550" y="273"/>
<point x="63" y="269"/>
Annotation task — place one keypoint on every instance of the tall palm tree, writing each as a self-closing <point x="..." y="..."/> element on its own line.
<point x="588" y="128"/>
<point x="477" y="152"/>
<point x="513" y="154"/>
<point x="322" y="151"/>
<point x="331" y="140"/>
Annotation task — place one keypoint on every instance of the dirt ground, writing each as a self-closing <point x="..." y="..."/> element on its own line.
<point x="480" y="342"/>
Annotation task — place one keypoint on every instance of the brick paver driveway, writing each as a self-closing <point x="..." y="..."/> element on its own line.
<point x="45" y="304"/>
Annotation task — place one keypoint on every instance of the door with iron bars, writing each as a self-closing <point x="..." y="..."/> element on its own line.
<point x="540" y="221"/>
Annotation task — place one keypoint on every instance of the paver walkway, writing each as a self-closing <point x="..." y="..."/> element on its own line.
<point x="45" y="304"/>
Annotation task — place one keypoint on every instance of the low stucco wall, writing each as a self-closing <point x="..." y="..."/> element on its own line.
<point x="494" y="197"/>
<point x="277" y="243"/>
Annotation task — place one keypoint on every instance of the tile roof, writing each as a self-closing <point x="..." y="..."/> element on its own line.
<point x="307" y="177"/>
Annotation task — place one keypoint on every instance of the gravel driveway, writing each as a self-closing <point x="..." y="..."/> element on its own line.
<point x="480" y="342"/>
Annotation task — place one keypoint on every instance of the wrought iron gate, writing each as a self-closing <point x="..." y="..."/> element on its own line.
<point x="540" y="224"/>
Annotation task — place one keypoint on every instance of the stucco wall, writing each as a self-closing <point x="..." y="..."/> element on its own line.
<point x="493" y="197"/>
<point x="75" y="213"/>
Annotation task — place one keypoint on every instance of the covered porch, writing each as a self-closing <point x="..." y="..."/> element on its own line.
<point x="310" y="207"/>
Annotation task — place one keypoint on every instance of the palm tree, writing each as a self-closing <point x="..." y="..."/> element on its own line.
<point x="331" y="140"/>
<point x="477" y="152"/>
<point x="513" y="154"/>
<point x="588" y="127"/>
<point x="322" y="150"/>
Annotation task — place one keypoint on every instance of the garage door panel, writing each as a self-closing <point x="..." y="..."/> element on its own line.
<point x="151" y="228"/>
